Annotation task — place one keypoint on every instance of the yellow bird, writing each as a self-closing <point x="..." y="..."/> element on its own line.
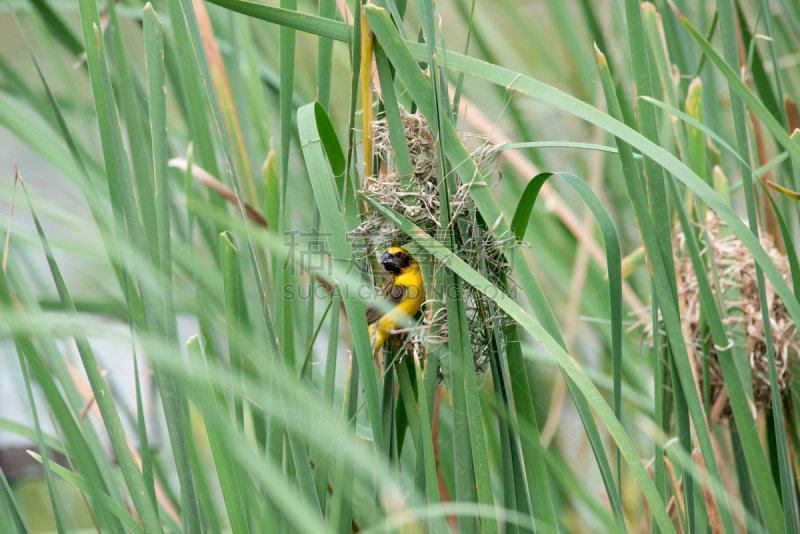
<point x="404" y="287"/>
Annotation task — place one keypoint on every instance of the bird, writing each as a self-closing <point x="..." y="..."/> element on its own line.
<point x="402" y="286"/>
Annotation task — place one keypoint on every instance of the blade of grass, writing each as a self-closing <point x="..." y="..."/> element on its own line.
<point x="11" y="505"/>
<point x="684" y="431"/>
<point x="409" y="401"/>
<point x="660" y="411"/>
<point x="342" y="498"/>
<point x="233" y="319"/>
<point x="538" y="491"/>
<point x="597" y="37"/>
<point x="509" y="457"/>
<point x="134" y="120"/>
<point x="192" y="85"/>
<point x="230" y="117"/>
<point x="436" y="525"/>
<point x="551" y="144"/>
<point x="696" y="158"/>
<point x="272" y="191"/>
<point x="614" y="269"/>
<point x="157" y="110"/>
<point x="204" y="498"/>
<point x="388" y="405"/>
<point x="366" y="94"/>
<point x="474" y="417"/>
<point x="402" y="158"/>
<point x="289" y="18"/>
<point x="353" y="40"/>
<point x="791" y="252"/>
<point x="656" y="191"/>
<point x="327" y="10"/>
<point x="287" y="59"/>
<point x="667" y="72"/>
<point x="690" y="121"/>
<point x="465" y="489"/>
<point x="460" y="81"/>
<point x="57" y="27"/>
<point x="226" y="471"/>
<point x="522" y="215"/>
<point x="257" y="105"/>
<point x="328" y="389"/>
<point x="695" y="138"/>
<point x="46" y="462"/>
<point x="313" y="335"/>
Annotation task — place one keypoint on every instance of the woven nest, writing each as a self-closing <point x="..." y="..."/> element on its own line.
<point x="736" y="273"/>
<point x="476" y="245"/>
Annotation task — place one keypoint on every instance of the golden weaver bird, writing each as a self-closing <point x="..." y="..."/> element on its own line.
<point x="404" y="287"/>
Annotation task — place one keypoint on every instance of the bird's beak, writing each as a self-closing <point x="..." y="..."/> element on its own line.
<point x="388" y="260"/>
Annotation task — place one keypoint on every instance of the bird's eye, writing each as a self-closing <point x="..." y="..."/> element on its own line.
<point x="398" y="254"/>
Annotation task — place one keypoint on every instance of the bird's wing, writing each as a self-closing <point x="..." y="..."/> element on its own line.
<point x="391" y="292"/>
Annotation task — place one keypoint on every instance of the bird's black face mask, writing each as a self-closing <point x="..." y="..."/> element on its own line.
<point x="396" y="262"/>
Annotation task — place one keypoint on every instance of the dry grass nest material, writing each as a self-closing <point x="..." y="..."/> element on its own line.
<point x="478" y="247"/>
<point x="737" y="280"/>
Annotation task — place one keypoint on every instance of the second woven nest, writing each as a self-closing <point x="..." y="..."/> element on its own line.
<point x="477" y="247"/>
<point x="738" y="284"/>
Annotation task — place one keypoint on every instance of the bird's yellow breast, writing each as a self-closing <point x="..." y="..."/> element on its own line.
<point x="407" y="308"/>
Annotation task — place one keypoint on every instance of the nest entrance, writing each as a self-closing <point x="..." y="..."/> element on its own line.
<point x="738" y="284"/>
<point x="476" y="245"/>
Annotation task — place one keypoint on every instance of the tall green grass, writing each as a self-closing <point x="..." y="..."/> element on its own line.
<point x="215" y="155"/>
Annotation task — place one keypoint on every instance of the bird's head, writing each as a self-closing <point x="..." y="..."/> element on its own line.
<point x="397" y="260"/>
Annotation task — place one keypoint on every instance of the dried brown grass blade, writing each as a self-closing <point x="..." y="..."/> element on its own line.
<point x="207" y="179"/>
<point x="677" y="486"/>
<point x="708" y="496"/>
<point x="366" y="91"/>
<point x="792" y="116"/>
<point x="17" y="176"/>
<point x="787" y="192"/>
<point x="227" y="104"/>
